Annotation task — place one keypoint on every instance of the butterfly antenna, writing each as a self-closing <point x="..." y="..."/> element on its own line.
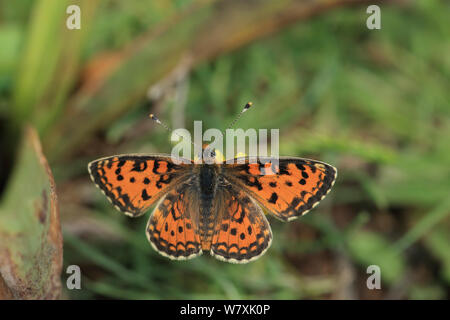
<point x="246" y="107"/>
<point x="154" y="118"/>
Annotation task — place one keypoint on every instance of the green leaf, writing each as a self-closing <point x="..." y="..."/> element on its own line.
<point x="48" y="66"/>
<point x="30" y="232"/>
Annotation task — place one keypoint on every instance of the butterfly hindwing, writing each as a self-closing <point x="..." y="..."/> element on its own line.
<point x="172" y="228"/>
<point x="242" y="232"/>
<point x="134" y="182"/>
<point x="287" y="190"/>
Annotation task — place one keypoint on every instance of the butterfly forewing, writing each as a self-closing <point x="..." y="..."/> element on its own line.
<point x="287" y="189"/>
<point x="134" y="182"/>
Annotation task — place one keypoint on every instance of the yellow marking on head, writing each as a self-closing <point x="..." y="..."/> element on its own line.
<point x="219" y="156"/>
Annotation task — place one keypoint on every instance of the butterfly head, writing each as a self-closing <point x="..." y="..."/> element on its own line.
<point x="209" y="155"/>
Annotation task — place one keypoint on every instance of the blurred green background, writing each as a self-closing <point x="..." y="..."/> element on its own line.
<point x="374" y="103"/>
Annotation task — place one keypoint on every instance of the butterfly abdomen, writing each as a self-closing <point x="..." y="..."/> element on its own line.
<point x="208" y="185"/>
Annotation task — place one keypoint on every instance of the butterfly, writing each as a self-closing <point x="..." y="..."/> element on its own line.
<point x="212" y="206"/>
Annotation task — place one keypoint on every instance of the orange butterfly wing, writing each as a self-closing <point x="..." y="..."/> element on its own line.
<point x="172" y="228"/>
<point x="134" y="182"/>
<point x="242" y="232"/>
<point x="287" y="190"/>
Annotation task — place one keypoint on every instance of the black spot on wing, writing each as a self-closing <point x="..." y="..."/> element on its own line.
<point x="145" y="196"/>
<point x="283" y="169"/>
<point x="273" y="198"/>
<point x="139" y="165"/>
<point x="251" y="183"/>
<point x="156" y="166"/>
